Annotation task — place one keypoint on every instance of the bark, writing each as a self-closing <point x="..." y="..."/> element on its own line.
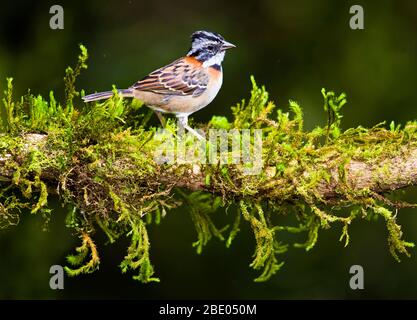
<point x="377" y="175"/>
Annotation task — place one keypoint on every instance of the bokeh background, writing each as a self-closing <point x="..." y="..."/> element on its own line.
<point x="295" y="48"/>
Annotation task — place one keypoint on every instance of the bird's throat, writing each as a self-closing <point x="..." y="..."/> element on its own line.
<point x="214" y="60"/>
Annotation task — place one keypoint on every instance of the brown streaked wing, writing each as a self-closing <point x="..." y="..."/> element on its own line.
<point x="178" y="78"/>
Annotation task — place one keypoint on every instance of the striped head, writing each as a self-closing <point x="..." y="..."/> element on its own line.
<point x="208" y="47"/>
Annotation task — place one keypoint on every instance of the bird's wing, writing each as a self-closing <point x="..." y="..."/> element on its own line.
<point x="183" y="77"/>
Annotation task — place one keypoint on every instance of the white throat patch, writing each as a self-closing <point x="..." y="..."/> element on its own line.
<point x="217" y="59"/>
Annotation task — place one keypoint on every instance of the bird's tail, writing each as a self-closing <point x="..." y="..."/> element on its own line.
<point x="126" y="93"/>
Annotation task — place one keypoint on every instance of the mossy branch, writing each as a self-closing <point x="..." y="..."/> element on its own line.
<point x="100" y="161"/>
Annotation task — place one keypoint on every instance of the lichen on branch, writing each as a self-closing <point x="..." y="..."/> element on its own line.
<point x="98" y="159"/>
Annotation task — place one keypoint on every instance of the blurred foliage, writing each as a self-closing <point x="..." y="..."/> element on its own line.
<point x="296" y="47"/>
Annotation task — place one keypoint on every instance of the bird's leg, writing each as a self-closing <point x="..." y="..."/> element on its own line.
<point x="161" y="118"/>
<point x="183" y="121"/>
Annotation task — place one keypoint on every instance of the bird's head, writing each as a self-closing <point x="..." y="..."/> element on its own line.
<point x="208" y="47"/>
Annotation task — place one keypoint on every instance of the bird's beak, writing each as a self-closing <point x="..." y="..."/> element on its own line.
<point x="227" y="45"/>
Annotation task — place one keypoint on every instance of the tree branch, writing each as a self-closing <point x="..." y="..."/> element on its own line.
<point x="101" y="164"/>
<point x="379" y="175"/>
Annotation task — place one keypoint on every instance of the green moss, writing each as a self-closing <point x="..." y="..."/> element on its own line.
<point x="218" y="122"/>
<point x="78" y="260"/>
<point x="108" y="179"/>
<point x="201" y="205"/>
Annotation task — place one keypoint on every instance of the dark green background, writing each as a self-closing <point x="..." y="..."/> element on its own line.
<point x="293" y="47"/>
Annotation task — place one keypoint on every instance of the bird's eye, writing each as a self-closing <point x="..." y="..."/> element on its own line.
<point x="211" y="48"/>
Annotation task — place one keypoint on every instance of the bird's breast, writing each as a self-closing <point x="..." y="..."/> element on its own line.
<point x="185" y="104"/>
<point x="215" y="83"/>
<point x="190" y="104"/>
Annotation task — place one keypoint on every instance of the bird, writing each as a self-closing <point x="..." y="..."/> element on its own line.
<point x="184" y="86"/>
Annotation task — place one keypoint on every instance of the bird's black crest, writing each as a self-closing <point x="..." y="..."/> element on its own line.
<point x="206" y="35"/>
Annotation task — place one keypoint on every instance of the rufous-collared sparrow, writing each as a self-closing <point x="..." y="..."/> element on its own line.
<point x="185" y="85"/>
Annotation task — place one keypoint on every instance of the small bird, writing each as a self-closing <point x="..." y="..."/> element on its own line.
<point x="183" y="86"/>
